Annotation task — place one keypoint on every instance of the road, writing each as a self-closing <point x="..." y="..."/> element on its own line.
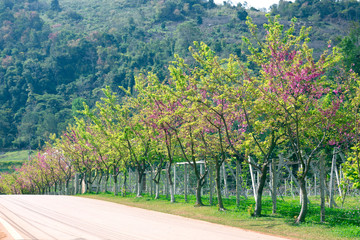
<point x="65" y="217"/>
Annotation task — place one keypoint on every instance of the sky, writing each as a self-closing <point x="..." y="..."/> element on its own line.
<point x="253" y="3"/>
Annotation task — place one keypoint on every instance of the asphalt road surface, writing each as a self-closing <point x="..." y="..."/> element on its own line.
<point x="66" y="217"/>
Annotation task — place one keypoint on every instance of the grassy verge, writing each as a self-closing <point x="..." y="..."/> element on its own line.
<point x="341" y="223"/>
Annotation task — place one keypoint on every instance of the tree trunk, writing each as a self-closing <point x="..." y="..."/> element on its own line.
<point x="89" y="182"/>
<point x="157" y="190"/>
<point x="123" y="191"/>
<point x="98" y="186"/>
<point x="304" y="201"/>
<point x="274" y="186"/>
<point x="260" y="190"/>
<point x="237" y="179"/>
<point x="115" y="187"/>
<point x="67" y="186"/>
<point x="226" y="191"/>
<point x="211" y="185"/>
<point x="185" y="182"/>
<point x="253" y="180"/>
<point x="139" y="185"/>
<point x="172" y="193"/>
<point x="198" y="193"/>
<point x="174" y="178"/>
<point x="106" y="183"/>
<point x="85" y="184"/>
<point x="218" y="187"/>
<point x="332" y="202"/>
<point x="152" y="182"/>
<point x="170" y="183"/>
<point x="322" y="189"/>
<point x="76" y="184"/>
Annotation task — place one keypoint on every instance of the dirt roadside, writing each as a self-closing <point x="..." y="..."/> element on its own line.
<point x="4" y="235"/>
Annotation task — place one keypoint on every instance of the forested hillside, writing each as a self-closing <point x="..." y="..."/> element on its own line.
<point x="56" y="54"/>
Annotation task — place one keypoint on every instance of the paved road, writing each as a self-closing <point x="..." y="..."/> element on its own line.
<point x="66" y="217"/>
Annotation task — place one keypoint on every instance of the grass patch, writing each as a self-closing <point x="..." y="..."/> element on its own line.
<point x="341" y="223"/>
<point x="11" y="160"/>
<point x="17" y="156"/>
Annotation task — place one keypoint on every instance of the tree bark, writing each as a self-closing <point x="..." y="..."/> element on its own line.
<point x="171" y="183"/>
<point x="98" y="184"/>
<point x="322" y="189"/>
<point x="253" y="180"/>
<point x="262" y="181"/>
<point x="115" y="187"/>
<point x="211" y="185"/>
<point x="274" y="186"/>
<point x="304" y="201"/>
<point x="139" y="184"/>
<point x="157" y="190"/>
<point x="226" y="191"/>
<point x="331" y="183"/>
<point x="76" y="184"/>
<point x="123" y="191"/>
<point x="198" y="193"/>
<point x="185" y="182"/>
<point x="140" y="170"/>
<point x="106" y="182"/>
<point x="237" y="179"/>
<point x="218" y="187"/>
<point x="67" y="186"/>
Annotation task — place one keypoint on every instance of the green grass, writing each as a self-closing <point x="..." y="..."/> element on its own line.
<point x="11" y="160"/>
<point x="340" y="223"/>
<point x="18" y="156"/>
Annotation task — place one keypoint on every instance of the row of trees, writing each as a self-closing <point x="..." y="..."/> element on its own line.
<point x="213" y="110"/>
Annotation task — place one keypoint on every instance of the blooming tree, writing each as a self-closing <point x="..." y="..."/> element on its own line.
<point x="295" y="85"/>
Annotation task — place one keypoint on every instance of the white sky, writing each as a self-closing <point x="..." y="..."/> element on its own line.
<point x="253" y="3"/>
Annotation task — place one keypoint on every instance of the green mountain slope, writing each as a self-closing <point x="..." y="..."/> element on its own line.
<point x="56" y="54"/>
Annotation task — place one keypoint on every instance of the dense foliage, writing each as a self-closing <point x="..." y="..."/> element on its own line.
<point x="56" y="54"/>
<point x="316" y="10"/>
